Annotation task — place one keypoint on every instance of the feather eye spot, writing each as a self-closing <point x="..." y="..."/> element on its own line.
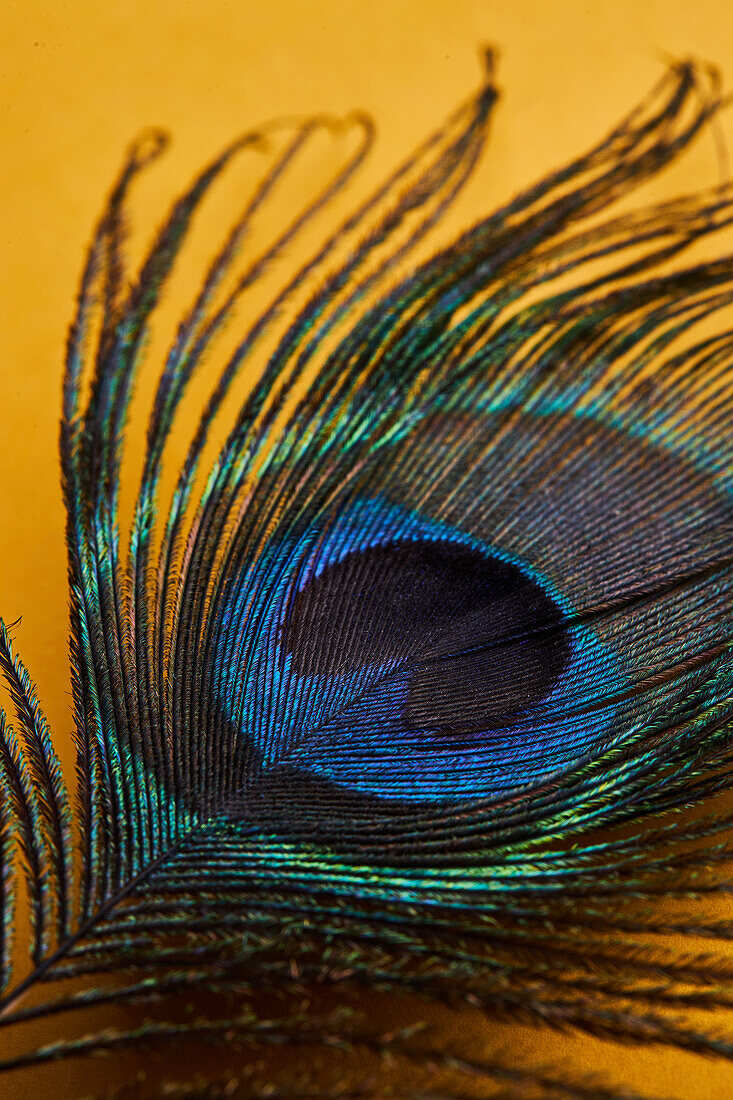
<point x="480" y="639"/>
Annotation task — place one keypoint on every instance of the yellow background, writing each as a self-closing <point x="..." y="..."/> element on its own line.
<point x="79" y="78"/>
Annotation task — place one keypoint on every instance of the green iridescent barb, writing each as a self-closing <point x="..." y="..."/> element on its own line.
<point x="421" y="684"/>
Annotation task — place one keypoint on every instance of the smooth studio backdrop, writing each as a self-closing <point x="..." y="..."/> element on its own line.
<point x="79" y="79"/>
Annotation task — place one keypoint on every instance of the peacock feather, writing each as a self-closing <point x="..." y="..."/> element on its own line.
<point x="417" y="687"/>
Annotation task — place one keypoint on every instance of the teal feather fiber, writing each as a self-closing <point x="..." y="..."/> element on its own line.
<point x="422" y="687"/>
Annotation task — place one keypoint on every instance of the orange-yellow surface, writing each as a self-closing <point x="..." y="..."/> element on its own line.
<point x="78" y="79"/>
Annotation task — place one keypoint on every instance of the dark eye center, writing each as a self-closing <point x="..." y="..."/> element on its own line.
<point x="479" y="640"/>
